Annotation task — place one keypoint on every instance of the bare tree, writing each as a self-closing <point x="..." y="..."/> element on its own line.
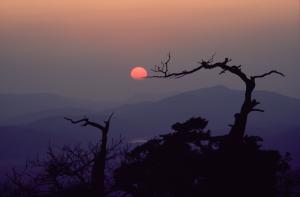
<point x="237" y="130"/>
<point x="63" y="171"/>
<point x="98" y="169"/>
<point x="60" y="170"/>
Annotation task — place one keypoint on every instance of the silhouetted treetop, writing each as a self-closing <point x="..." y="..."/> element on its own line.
<point x="191" y="124"/>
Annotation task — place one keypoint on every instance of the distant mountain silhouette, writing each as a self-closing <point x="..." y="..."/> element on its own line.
<point x="24" y="108"/>
<point x="144" y="97"/>
<point x="278" y="125"/>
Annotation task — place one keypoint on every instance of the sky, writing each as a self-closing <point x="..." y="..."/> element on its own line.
<point x="86" y="48"/>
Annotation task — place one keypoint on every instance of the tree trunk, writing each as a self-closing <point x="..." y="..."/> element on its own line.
<point x="98" y="171"/>
<point x="237" y="131"/>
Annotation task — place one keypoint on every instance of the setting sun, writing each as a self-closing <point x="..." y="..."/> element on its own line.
<point x="138" y="73"/>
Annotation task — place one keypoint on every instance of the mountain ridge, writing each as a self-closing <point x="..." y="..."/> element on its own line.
<point x="279" y="125"/>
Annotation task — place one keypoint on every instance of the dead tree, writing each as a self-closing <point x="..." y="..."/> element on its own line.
<point x="238" y="128"/>
<point x="98" y="169"/>
<point x="65" y="171"/>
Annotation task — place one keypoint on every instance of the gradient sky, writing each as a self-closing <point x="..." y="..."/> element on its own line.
<point x="86" y="48"/>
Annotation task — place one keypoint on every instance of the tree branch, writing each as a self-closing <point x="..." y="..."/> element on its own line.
<point x="268" y="73"/>
<point x="208" y="64"/>
<point x="87" y="122"/>
<point x="109" y="118"/>
<point x="258" y="110"/>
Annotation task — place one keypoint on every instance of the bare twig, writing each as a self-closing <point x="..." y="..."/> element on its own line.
<point x="164" y="68"/>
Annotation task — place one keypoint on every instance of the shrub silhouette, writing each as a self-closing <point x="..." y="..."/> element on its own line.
<point x="190" y="162"/>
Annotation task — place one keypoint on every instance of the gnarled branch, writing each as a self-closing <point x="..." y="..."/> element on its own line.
<point x="87" y="122"/>
<point x="268" y="73"/>
<point x="208" y="64"/>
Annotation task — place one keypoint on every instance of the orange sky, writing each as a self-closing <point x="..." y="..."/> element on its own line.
<point x="144" y="24"/>
<point x="81" y="19"/>
<point x="111" y="36"/>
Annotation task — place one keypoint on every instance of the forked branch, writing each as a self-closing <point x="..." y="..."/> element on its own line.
<point x="164" y="67"/>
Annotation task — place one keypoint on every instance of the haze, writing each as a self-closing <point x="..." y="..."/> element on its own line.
<point x="86" y="48"/>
